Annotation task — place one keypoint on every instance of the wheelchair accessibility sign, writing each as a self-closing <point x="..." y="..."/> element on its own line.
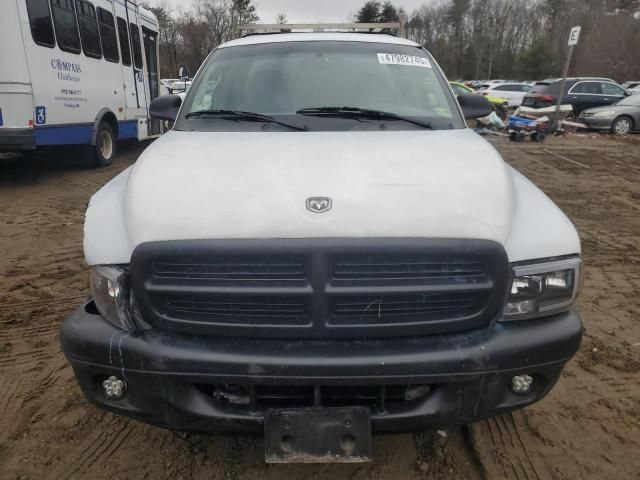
<point x="41" y="115"/>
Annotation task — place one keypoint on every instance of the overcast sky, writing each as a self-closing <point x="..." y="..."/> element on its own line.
<point x="303" y="11"/>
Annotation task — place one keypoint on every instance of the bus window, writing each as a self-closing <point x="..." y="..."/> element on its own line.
<point x="108" y="35"/>
<point x="135" y="45"/>
<point x="123" y="35"/>
<point x="40" y="21"/>
<point x="66" y="25"/>
<point x="88" y="29"/>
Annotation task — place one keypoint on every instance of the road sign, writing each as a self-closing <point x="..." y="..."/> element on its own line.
<point x="574" y="36"/>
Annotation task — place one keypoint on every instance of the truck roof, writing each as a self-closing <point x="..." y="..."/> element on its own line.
<point x="318" y="37"/>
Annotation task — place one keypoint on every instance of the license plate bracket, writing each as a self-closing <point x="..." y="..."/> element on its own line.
<point x="318" y="435"/>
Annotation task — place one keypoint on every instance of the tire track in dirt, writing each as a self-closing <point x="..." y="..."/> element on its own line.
<point x="100" y="448"/>
<point x="33" y="305"/>
<point x="503" y="445"/>
<point x="8" y="388"/>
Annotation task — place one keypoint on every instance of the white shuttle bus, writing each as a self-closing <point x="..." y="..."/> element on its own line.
<point x="76" y="72"/>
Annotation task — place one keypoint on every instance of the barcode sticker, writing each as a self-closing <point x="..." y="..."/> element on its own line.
<point x="406" y="60"/>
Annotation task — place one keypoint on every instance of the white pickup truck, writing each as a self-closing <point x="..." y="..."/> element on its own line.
<point x="320" y="249"/>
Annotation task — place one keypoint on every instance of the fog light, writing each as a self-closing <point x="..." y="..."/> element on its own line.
<point x="521" y="384"/>
<point x="114" y="388"/>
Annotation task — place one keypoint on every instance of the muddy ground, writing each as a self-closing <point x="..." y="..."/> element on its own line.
<point x="588" y="427"/>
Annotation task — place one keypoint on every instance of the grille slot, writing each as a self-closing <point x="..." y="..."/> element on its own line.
<point x="401" y="308"/>
<point x="405" y="268"/>
<point x="262" y="397"/>
<point x="234" y="269"/>
<point x="240" y="309"/>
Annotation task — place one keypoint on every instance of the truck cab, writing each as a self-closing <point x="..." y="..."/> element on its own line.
<point x="321" y="250"/>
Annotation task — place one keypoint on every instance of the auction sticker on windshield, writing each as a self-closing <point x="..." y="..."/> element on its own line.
<point x="408" y="60"/>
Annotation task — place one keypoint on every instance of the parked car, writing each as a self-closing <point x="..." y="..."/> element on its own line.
<point x="321" y="249"/>
<point x="581" y="93"/>
<point x="621" y="117"/>
<point x="497" y="102"/>
<point x="632" y="87"/>
<point x="513" y="92"/>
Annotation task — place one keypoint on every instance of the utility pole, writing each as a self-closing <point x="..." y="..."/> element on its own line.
<point x="574" y="37"/>
<point x="403" y="25"/>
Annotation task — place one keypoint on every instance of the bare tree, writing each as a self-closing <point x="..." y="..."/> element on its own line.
<point x="527" y="38"/>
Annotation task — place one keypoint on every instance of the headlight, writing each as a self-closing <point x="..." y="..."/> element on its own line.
<point x="542" y="289"/>
<point x="110" y="288"/>
<point x="608" y="113"/>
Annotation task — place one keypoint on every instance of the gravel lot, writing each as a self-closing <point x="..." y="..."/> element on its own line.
<point x="588" y="428"/>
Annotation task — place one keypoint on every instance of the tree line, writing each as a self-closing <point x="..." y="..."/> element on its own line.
<point x="471" y="39"/>
<point x="186" y="36"/>
<point x="522" y="39"/>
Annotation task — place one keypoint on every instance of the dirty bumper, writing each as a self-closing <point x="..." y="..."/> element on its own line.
<point x="210" y="383"/>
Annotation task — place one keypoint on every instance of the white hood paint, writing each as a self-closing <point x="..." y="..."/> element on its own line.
<point x="211" y="185"/>
<point x="390" y="184"/>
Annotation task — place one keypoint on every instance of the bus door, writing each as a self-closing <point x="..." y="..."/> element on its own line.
<point x="128" y="75"/>
<point x="132" y="68"/>
<point x="151" y="57"/>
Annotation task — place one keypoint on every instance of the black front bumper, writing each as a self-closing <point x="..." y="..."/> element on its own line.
<point x="17" y="139"/>
<point x="170" y="376"/>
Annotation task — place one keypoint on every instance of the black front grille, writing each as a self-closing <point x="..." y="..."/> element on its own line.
<point x="320" y="288"/>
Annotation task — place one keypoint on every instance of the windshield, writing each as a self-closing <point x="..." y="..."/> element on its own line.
<point x="283" y="80"/>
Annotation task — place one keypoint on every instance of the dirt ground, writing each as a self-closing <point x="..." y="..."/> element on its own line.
<point x="588" y="427"/>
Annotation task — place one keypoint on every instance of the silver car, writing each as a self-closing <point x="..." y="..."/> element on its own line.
<point x="621" y="117"/>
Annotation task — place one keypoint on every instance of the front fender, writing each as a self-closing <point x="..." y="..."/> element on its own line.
<point x="106" y="240"/>
<point x="539" y="228"/>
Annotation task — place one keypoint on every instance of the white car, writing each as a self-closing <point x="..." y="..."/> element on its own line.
<point x="513" y="92"/>
<point x="633" y="87"/>
<point x="321" y="249"/>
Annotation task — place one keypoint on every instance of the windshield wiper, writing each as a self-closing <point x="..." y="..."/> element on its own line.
<point x="240" y="115"/>
<point x="366" y="113"/>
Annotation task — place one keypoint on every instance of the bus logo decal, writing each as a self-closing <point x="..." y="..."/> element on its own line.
<point x="41" y="115"/>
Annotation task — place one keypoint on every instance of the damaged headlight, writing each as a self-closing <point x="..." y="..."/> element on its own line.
<point x="111" y="291"/>
<point x="543" y="289"/>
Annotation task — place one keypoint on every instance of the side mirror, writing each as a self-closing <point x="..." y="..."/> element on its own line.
<point x="165" y="107"/>
<point x="183" y="73"/>
<point x="474" y="105"/>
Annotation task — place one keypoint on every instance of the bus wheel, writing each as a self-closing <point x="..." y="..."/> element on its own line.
<point x="105" y="149"/>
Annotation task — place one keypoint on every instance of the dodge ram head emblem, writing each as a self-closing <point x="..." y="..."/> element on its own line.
<point x="319" y="204"/>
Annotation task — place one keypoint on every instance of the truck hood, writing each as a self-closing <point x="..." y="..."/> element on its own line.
<point x="206" y="185"/>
